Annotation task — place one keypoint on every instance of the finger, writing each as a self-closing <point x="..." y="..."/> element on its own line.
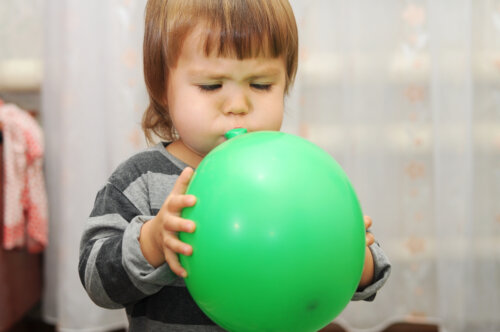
<point x="178" y="224"/>
<point x="176" y="203"/>
<point x="177" y="246"/>
<point x="368" y="222"/>
<point x="174" y="264"/>
<point x="370" y="239"/>
<point x="182" y="182"/>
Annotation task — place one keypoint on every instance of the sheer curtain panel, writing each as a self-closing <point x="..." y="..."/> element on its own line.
<point x="93" y="97"/>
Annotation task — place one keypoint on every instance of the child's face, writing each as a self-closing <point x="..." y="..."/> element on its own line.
<point x="207" y="96"/>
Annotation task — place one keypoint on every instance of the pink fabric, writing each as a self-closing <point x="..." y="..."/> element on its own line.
<point x="25" y="219"/>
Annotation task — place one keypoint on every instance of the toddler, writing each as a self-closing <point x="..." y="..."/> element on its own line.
<point x="210" y="66"/>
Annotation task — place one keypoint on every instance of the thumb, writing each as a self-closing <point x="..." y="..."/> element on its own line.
<point x="182" y="182"/>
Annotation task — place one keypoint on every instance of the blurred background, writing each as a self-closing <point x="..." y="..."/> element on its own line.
<point x="405" y="94"/>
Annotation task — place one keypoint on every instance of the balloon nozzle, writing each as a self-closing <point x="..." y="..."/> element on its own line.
<point x="235" y="132"/>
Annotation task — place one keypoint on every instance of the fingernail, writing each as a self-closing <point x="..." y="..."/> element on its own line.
<point x="188" y="227"/>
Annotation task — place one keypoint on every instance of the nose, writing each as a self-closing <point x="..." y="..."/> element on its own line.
<point x="236" y="103"/>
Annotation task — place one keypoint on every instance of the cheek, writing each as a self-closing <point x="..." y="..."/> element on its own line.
<point x="275" y="115"/>
<point x="180" y="123"/>
<point x="187" y="125"/>
<point x="185" y="115"/>
<point x="277" y="121"/>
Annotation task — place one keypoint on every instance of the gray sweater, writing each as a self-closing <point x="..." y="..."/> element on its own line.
<point x="112" y="268"/>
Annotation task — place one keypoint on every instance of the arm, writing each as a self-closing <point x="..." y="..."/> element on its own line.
<point x="368" y="269"/>
<point x="101" y="250"/>
<point x="119" y="264"/>
<point x="376" y="269"/>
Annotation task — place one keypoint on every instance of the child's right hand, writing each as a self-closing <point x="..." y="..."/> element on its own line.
<point x="159" y="241"/>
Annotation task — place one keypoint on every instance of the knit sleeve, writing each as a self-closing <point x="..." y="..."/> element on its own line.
<point x="112" y="267"/>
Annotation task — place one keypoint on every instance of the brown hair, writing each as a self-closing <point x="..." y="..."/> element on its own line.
<point x="241" y="28"/>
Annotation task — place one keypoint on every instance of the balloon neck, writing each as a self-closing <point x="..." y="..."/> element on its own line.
<point x="235" y="132"/>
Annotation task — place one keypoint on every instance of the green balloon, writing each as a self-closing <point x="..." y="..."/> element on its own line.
<point x="280" y="240"/>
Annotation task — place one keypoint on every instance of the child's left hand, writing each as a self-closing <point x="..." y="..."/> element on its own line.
<point x="367" y="276"/>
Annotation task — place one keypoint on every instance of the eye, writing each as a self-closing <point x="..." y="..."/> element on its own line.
<point x="209" y="87"/>
<point x="261" y="86"/>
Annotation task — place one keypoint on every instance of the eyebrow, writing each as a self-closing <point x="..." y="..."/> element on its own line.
<point x="265" y="72"/>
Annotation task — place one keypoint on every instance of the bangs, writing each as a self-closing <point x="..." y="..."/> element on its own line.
<point x="235" y="28"/>
<point x="243" y="29"/>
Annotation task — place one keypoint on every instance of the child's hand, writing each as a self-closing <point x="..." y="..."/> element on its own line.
<point x="367" y="276"/>
<point x="159" y="240"/>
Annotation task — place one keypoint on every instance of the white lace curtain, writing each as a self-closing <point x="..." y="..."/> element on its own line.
<point x="405" y="94"/>
<point x="93" y="97"/>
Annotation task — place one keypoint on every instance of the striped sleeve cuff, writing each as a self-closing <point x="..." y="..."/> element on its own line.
<point x="143" y="275"/>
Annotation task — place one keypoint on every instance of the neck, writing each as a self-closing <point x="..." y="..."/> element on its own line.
<point x="179" y="150"/>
